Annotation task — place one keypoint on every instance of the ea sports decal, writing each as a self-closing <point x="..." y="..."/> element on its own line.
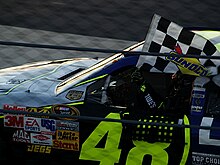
<point x="32" y="124"/>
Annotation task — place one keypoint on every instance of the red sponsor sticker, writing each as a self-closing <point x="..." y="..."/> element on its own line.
<point x="14" y="107"/>
<point x="41" y="137"/>
<point x="66" y="145"/>
<point x="16" y="121"/>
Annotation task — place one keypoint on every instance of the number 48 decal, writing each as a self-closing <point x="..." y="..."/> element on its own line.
<point x="110" y="154"/>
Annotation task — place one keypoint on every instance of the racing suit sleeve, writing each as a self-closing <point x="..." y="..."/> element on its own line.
<point x="143" y="100"/>
<point x="178" y="99"/>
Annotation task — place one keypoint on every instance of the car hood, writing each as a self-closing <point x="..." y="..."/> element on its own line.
<point x="40" y="76"/>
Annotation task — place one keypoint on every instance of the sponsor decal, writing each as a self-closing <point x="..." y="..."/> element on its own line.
<point x="39" y="148"/>
<point x="48" y="126"/>
<point x="21" y="136"/>
<point x="16" y="121"/>
<point x="16" y="81"/>
<point x="198" y="101"/>
<point x="32" y="124"/>
<point x="67" y="135"/>
<point x="74" y="95"/>
<point x="66" y="145"/>
<point x="43" y="125"/>
<point x="67" y="125"/>
<point x="150" y="101"/>
<point x="188" y="65"/>
<point x="39" y="110"/>
<point x="14" y="107"/>
<point x="41" y="139"/>
<point x="65" y="110"/>
<point x="205" y="159"/>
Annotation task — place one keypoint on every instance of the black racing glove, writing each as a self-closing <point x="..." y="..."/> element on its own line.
<point x="137" y="77"/>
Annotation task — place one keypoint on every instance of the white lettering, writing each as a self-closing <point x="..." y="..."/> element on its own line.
<point x="150" y="101"/>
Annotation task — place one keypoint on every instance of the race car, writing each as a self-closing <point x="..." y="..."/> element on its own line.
<point x="75" y="110"/>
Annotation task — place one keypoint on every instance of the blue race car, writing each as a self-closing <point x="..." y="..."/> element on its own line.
<point x="75" y="111"/>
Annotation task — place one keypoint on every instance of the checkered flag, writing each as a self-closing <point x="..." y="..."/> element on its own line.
<point x="163" y="36"/>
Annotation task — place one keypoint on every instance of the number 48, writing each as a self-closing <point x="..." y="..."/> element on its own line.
<point x="110" y="154"/>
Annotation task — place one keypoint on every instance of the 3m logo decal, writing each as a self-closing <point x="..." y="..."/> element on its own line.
<point x="16" y="121"/>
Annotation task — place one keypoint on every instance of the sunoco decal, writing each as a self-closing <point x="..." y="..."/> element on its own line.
<point x="205" y="159"/>
<point x="188" y="65"/>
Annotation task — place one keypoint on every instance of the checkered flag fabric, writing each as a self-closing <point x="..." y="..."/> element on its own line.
<point x="163" y="36"/>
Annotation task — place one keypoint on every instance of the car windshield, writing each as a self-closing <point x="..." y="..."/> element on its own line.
<point x="79" y="77"/>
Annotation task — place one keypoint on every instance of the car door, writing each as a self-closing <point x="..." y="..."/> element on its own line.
<point x="205" y="132"/>
<point x="114" y="139"/>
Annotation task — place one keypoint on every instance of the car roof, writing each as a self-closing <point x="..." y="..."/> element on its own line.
<point x="96" y="69"/>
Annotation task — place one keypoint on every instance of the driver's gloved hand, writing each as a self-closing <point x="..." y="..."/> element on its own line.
<point x="137" y="77"/>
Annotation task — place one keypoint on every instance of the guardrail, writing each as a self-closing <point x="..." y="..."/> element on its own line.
<point x="61" y="47"/>
<point x="91" y="118"/>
